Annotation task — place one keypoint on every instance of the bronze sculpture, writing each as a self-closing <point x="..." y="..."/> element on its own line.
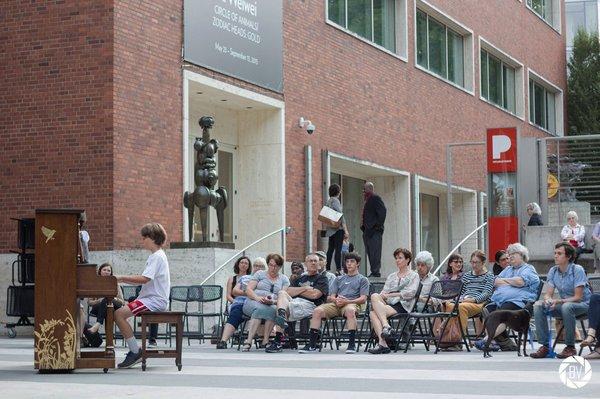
<point x="205" y="178"/>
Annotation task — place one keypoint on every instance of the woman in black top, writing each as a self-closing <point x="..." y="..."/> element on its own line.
<point x="535" y="214"/>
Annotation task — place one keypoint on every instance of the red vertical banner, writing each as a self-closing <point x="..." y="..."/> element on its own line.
<point x="503" y="223"/>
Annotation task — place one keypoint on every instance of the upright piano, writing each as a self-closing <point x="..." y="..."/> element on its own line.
<point x="61" y="278"/>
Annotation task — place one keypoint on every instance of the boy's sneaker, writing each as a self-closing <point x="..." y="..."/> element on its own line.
<point x="130" y="360"/>
<point x="308" y="349"/>
<point x="351" y="349"/>
<point x="274" y="347"/>
<point x="152" y="343"/>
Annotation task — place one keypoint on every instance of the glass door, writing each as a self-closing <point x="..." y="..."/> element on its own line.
<point x="430" y="224"/>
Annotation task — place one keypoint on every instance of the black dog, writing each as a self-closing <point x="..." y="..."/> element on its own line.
<point x="498" y="320"/>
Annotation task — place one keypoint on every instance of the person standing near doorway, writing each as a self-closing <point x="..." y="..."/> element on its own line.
<point x="373" y="219"/>
<point x="336" y="235"/>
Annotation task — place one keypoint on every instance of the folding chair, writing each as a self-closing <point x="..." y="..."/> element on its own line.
<point x="594" y="283"/>
<point x="447" y="290"/>
<point x="205" y="296"/>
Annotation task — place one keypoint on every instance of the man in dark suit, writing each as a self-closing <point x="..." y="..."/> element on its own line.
<point x="373" y="218"/>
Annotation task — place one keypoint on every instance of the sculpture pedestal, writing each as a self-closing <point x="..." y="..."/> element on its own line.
<point x="202" y="244"/>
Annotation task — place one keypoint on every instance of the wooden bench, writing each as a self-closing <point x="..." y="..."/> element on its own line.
<point x="171" y="318"/>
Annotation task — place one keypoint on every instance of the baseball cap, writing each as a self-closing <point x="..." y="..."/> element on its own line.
<point x="321" y="254"/>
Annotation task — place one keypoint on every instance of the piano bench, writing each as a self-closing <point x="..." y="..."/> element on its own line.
<point x="172" y="318"/>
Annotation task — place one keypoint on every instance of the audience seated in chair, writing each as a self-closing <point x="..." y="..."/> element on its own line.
<point x="262" y="293"/>
<point x="99" y="305"/>
<point x="346" y="296"/>
<point x="396" y="297"/>
<point x="424" y="262"/>
<point x="478" y="285"/>
<point x="299" y="300"/>
<point x="515" y="288"/>
<point x="236" y="314"/>
<point x="594" y="328"/>
<point x="574" y="292"/>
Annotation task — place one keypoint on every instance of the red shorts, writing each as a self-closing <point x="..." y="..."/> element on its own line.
<point x="137" y="307"/>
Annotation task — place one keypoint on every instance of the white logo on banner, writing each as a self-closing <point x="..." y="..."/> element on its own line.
<point x="575" y="372"/>
<point x="500" y="144"/>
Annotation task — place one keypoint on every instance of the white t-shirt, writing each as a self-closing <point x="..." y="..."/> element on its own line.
<point x="155" y="293"/>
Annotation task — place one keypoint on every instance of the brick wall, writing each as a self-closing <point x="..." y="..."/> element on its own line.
<point x="56" y="112"/>
<point x="371" y="105"/>
<point x="147" y="119"/>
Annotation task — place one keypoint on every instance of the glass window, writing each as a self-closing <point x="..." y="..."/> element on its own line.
<point x="440" y="49"/>
<point x="455" y="58"/>
<point x="359" y="18"/>
<point x="497" y="82"/>
<point x="508" y="88"/>
<point x="484" y="75"/>
<point x="543" y="8"/>
<point x="336" y="11"/>
<point x="422" y="39"/>
<point x="542" y="106"/>
<point x="384" y="15"/>
<point x="437" y="47"/>
<point x="374" y="20"/>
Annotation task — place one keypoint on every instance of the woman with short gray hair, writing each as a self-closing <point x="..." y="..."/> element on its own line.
<point x="574" y="234"/>
<point x="516" y="287"/>
<point x="535" y="214"/>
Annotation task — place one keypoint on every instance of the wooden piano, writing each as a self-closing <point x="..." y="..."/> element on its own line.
<point x="60" y="279"/>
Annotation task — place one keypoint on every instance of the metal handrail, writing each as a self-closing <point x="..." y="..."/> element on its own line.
<point x="456" y="247"/>
<point x="285" y="229"/>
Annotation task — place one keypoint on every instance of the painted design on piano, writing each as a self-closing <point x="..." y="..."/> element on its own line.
<point x="48" y="233"/>
<point x="51" y="354"/>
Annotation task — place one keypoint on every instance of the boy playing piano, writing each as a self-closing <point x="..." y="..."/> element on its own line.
<point x="154" y="295"/>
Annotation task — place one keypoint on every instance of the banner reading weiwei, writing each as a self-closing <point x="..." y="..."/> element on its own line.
<point x="240" y="38"/>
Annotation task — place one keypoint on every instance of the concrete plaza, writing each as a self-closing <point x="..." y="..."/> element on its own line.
<point x="209" y="373"/>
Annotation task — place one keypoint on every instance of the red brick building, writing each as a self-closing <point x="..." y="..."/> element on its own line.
<point x="99" y="108"/>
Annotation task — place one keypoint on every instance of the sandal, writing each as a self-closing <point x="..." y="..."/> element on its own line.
<point x="246" y="347"/>
<point x="588" y="341"/>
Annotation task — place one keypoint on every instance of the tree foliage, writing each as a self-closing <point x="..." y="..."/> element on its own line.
<point x="583" y="89"/>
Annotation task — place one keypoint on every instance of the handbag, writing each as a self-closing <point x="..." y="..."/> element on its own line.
<point x="452" y="333"/>
<point x="330" y="217"/>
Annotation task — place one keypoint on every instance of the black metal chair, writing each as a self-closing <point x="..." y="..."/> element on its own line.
<point x="594" y="283"/>
<point x="397" y="319"/>
<point x="130" y="292"/>
<point x="177" y="302"/>
<point x="205" y="296"/>
<point x="446" y="290"/>
<point x="364" y="333"/>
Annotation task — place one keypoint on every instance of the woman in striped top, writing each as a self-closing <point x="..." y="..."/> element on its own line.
<point x="477" y="289"/>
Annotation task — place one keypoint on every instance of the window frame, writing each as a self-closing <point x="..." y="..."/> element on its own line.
<point x="512" y="62"/>
<point x="558" y="102"/>
<point x="468" y="44"/>
<point x="557" y="16"/>
<point x="400" y="28"/>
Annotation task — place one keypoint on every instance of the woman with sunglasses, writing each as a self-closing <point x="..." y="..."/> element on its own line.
<point x="262" y="292"/>
<point x="454" y="271"/>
